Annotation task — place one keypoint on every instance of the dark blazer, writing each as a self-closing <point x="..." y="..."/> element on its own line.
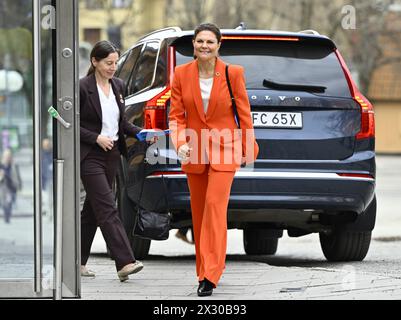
<point x="91" y="115"/>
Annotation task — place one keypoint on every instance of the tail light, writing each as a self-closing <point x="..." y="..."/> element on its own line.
<point x="155" y="111"/>
<point x="367" y="113"/>
<point x="268" y="38"/>
<point x="367" y="118"/>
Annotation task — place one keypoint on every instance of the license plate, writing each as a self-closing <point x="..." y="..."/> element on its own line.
<point x="285" y="120"/>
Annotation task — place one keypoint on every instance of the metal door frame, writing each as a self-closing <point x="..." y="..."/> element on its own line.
<point x="66" y="260"/>
<point x="67" y="244"/>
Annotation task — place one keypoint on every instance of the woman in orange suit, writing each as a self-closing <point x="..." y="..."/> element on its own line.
<point x="210" y="145"/>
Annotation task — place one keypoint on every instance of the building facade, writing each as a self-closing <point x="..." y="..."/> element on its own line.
<point x="120" y="21"/>
<point x="124" y="21"/>
<point x="385" y="90"/>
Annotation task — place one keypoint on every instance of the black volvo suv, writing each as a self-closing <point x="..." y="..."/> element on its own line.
<point x="315" y="170"/>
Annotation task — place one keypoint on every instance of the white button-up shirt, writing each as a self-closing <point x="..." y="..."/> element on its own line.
<point x="206" y="89"/>
<point x="110" y="114"/>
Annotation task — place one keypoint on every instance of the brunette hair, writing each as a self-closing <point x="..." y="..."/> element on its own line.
<point x="100" y="51"/>
<point x="208" y="27"/>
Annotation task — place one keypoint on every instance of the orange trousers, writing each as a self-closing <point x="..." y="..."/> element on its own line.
<point x="210" y="192"/>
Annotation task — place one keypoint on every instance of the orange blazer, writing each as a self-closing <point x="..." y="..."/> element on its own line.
<point x="215" y="135"/>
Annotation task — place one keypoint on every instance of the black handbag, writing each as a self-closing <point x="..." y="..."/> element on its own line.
<point x="150" y="224"/>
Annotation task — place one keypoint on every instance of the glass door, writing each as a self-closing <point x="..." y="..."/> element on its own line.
<point x="39" y="222"/>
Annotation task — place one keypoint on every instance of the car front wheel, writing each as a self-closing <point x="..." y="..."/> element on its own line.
<point x="259" y="242"/>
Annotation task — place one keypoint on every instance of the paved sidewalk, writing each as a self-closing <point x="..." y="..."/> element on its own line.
<point x="243" y="280"/>
<point x="298" y="271"/>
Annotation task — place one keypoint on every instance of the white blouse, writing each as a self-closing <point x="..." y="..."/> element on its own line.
<point x="206" y="88"/>
<point x="110" y="114"/>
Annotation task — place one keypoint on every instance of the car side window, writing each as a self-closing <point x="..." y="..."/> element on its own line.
<point x="144" y="69"/>
<point x="120" y="63"/>
<point x="161" y="69"/>
<point x="129" y="64"/>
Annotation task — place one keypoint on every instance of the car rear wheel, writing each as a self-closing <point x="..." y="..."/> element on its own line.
<point x="352" y="243"/>
<point x="126" y="208"/>
<point x="259" y="242"/>
<point x="346" y="245"/>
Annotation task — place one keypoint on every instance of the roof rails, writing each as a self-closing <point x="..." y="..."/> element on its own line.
<point x="242" y="26"/>
<point x="310" y="31"/>
<point x="174" y="29"/>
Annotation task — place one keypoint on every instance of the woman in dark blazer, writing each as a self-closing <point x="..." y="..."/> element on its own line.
<point x="102" y="129"/>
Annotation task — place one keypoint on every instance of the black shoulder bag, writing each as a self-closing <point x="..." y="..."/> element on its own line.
<point x="150" y="224"/>
<point x="234" y="105"/>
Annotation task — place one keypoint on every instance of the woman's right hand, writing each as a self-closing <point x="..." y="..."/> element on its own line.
<point x="184" y="152"/>
<point x="105" y="143"/>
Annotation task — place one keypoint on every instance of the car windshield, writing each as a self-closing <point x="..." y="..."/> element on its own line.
<point x="296" y="63"/>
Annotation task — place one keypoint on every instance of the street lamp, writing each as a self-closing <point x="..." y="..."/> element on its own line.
<point x="10" y="81"/>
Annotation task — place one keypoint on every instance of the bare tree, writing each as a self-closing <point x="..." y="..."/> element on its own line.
<point x="369" y="44"/>
<point x="366" y="47"/>
<point x="189" y="13"/>
<point x="226" y="14"/>
<point x="254" y="13"/>
<point x="115" y="27"/>
<point x="223" y="14"/>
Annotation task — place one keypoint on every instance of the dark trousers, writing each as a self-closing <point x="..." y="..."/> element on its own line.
<point x="98" y="171"/>
<point x="7" y="208"/>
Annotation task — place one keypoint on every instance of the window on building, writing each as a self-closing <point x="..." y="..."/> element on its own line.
<point x="92" y="35"/>
<point x="94" y="4"/>
<point x="122" y="3"/>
